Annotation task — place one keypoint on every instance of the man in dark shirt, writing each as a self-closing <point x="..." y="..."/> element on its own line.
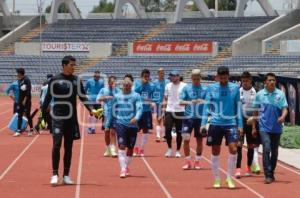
<point x="24" y="101"/>
<point x="63" y="89"/>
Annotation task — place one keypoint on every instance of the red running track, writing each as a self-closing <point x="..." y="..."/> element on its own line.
<point x="25" y="170"/>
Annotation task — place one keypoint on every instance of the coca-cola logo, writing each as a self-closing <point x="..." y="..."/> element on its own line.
<point x="201" y="47"/>
<point x="164" y="48"/>
<point x="183" y="47"/>
<point x="144" y="47"/>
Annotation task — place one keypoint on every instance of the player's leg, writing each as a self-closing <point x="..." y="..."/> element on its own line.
<point x="178" y="126"/>
<point x="199" y="143"/>
<point x="168" y="130"/>
<point x="68" y="147"/>
<point x="132" y="135"/>
<point x="57" y="141"/>
<point x="147" y="125"/>
<point x="186" y="136"/>
<point x="122" y="143"/>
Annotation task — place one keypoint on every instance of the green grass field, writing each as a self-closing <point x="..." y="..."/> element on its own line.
<point x="290" y="137"/>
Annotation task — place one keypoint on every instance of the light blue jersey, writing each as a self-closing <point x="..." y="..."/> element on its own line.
<point x="125" y="107"/>
<point x="92" y="88"/>
<point x="270" y="107"/>
<point x="13" y="88"/>
<point x="159" y="91"/>
<point x="146" y="92"/>
<point x="223" y="104"/>
<point x="189" y="93"/>
<point x="106" y="91"/>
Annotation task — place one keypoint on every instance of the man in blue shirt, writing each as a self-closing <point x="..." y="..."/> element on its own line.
<point x="127" y="109"/>
<point x="106" y="95"/>
<point x="92" y="88"/>
<point x="222" y="102"/>
<point x="272" y="106"/>
<point x="13" y="92"/>
<point x="145" y="88"/>
<point x="192" y="97"/>
<point x="158" y="97"/>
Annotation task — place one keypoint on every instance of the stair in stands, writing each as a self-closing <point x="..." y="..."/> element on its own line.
<point x="273" y="51"/>
<point x="33" y="33"/>
<point x="86" y="64"/>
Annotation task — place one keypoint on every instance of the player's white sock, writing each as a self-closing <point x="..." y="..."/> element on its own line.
<point x="188" y="158"/>
<point x="122" y="159"/>
<point x="215" y="159"/>
<point x="158" y="131"/>
<point x="198" y="157"/>
<point x="255" y="157"/>
<point x="231" y="165"/>
<point x="144" y="140"/>
<point x="128" y="161"/>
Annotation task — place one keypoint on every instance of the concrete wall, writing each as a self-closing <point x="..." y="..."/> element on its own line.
<point x="99" y="50"/>
<point x="11" y="22"/>
<point x="290" y="48"/>
<point x="273" y="42"/>
<point x="251" y="43"/>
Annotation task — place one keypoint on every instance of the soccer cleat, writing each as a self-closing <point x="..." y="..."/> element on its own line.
<point x="187" y="165"/>
<point x="255" y="168"/>
<point x="136" y="151"/>
<point x="230" y="183"/>
<point x="17" y="134"/>
<point x="238" y="173"/>
<point x="141" y="153"/>
<point x="113" y="151"/>
<point x="127" y="172"/>
<point x="123" y="173"/>
<point x="217" y="183"/>
<point x="107" y="152"/>
<point x="177" y="154"/>
<point x="197" y="165"/>
<point x="89" y="131"/>
<point x="169" y="153"/>
<point x="67" y="180"/>
<point x="248" y="171"/>
<point x="54" y="180"/>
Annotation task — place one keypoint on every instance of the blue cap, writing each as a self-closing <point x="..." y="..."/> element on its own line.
<point x="174" y="73"/>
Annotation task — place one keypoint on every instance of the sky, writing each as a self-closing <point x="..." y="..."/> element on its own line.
<point x="30" y="6"/>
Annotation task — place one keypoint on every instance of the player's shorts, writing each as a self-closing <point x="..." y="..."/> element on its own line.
<point x="146" y="121"/>
<point x="249" y="137"/>
<point x="126" y="135"/>
<point x="216" y="133"/>
<point x="188" y="125"/>
<point x="158" y="109"/>
<point x="108" y="122"/>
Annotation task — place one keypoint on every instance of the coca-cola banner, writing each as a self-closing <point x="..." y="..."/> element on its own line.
<point x="173" y="47"/>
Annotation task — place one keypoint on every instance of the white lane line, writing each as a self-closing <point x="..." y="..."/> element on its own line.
<point x="2" y="129"/>
<point x="17" y="158"/>
<point x="5" y="112"/>
<point x="241" y="183"/>
<point x="167" y="193"/>
<point x="279" y="164"/>
<point x="78" y="183"/>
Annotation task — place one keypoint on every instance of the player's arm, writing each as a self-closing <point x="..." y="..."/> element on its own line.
<point x="139" y="111"/>
<point x="183" y="98"/>
<point x="47" y="99"/>
<point x="283" y="105"/>
<point x="84" y="99"/>
<point x="8" y="91"/>
<point x="27" y="91"/>
<point x="206" y="109"/>
<point x="239" y="112"/>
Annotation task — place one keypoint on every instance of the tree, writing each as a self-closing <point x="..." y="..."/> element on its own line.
<point x="103" y="6"/>
<point x="223" y="4"/>
<point x="62" y="8"/>
<point x="168" y="6"/>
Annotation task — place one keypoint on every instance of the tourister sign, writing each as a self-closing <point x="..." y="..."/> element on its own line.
<point x="65" y="46"/>
<point x="173" y="47"/>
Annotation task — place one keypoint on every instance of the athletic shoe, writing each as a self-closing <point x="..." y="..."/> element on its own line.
<point x="123" y="173"/>
<point x="197" y="165"/>
<point x="54" y="180"/>
<point x="17" y="134"/>
<point x="67" y="180"/>
<point x="217" y="183"/>
<point x="30" y="132"/>
<point x="136" y="151"/>
<point x="169" y="153"/>
<point x="141" y="153"/>
<point x="248" y="171"/>
<point x="93" y="131"/>
<point x="177" y="154"/>
<point x="107" y="152"/>
<point x="113" y="151"/>
<point x="268" y="180"/>
<point x="230" y="183"/>
<point x="238" y="173"/>
<point x="187" y="165"/>
<point x="127" y="172"/>
<point x="255" y="168"/>
<point x="89" y="131"/>
<point x="164" y="139"/>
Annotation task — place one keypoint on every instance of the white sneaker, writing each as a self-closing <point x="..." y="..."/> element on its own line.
<point x="177" y="154"/>
<point x="67" y="180"/>
<point x="30" y="133"/>
<point x="169" y="153"/>
<point x="113" y="151"/>
<point x="17" y="134"/>
<point x="54" y="180"/>
<point x="123" y="173"/>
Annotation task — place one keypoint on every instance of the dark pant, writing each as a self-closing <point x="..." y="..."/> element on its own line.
<point x="172" y="119"/>
<point x="270" y="142"/>
<point x="58" y="134"/>
<point x="15" y="108"/>
<point x="24" y="109"/>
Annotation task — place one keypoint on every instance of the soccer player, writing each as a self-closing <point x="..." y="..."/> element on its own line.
<point x="145" y="88"/>
<point x="24" y="101"/>
<point x="92" y="88"/>
<point x="247" y="94"/>
<point x="192" y="97"/>
<point x="272" y="110"/>
<point x="13" y="91"/>
<point x="173" y="112"/>
<point x="222" y="102"/>
<point x="160" y="85"/>
<point x="106" y="95"/>
<point x="127" y="109"/>
<point x="63" y="89"/>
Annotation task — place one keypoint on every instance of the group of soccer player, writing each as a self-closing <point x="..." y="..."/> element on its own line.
<point x="220" y="109"/>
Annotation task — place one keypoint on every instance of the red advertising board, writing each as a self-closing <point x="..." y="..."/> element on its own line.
<point x="173" y="47"/>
